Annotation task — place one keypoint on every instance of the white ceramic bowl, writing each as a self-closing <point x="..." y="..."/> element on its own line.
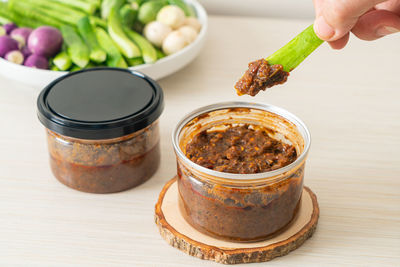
<point x="40" y="78"/>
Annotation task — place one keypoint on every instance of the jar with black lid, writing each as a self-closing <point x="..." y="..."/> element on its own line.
<point x="102" y="128"/>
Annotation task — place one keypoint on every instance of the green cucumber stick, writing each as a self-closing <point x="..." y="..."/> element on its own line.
<point x="128" y="48"/>
<point x="75" y="68"/>
<point x="294" y="52"/>
<point x="107" y="5"/>
<point x="54" y="10"/>
<point x="76" y="47"/>
<point x="62" y="61"/>
<point x="25" y="15"/>
<point x="128" y="15"/>
<point x="96" y="21"/>
<point x="87" y="7"/>
<point x="149" y="53"/>
<point x="135" y="61"/>
<point x="114" y="57"/>
<point x="86" y="30"/>
<point x="160" y="54"/>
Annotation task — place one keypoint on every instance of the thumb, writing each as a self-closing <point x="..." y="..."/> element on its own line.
<point x="338" y="17"/>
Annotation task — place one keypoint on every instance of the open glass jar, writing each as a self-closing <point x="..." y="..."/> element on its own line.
<point x="102" y="128"/>
<point x="240" y="207"/>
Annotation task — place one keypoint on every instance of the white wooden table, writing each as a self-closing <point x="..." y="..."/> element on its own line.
<point x="350" y="100"/>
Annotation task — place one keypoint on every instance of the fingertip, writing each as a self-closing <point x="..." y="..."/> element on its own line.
<point x="323" y="29"/>
<point x="341" y="43"/>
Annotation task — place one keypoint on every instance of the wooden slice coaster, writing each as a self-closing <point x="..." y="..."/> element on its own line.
<point x="181" y="235"/>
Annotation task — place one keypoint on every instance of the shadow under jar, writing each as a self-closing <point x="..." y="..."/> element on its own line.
<point x="236" y="206"/>
<point x="102" y="129"/>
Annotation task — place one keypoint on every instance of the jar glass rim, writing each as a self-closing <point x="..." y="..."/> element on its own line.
<point x="302" y="128"/>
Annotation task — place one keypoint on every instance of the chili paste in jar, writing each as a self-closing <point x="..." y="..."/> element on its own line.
<point x="238" y="213"/>
<point x="105" y="166"/>
<point x="260" y="76"/>
<point x="240" y="149"/>
<point x="233" y="213"/>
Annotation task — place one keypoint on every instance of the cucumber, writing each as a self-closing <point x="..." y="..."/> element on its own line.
<point x="52" y="9"/>
<point x="62" y="61"/>
<point x="85" y="6"/>
<point x="107" y="5"/>
<point x="160" y="54"/>
<point x="294" y="52"/>
<point x="149" y="53"/>
<point x="135" y="61"/>
<point x="76" y="48"/>
<point x="96" y="21"/>
<point x="26" y="15"/>
<point x="75" y="68"/>
<point x="97" y="54"/>
<point x="125" y="45"/>
<point x="128" y="15"/>
<point x="114" y="57"/>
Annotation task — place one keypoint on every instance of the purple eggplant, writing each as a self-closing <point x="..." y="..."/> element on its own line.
<point x="36" y="61"/>
<point x="45" y="41"/>
<point x="7" y="44"/>
<point x="15" y="56"/>
<point x="21" y="35"/>
<point x="26" y="52"/>
<point x="9" y="27"/>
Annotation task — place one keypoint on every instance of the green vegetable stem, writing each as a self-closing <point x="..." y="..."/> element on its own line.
<point x="107" y="5"/>
<point x="135" y="61"/>
<point x="76" y="48"/>
<point x="160" y="54"/>
<point x="4" y="18"/>
<point x="25" y="15"/>
<point x="86" y="30"/>
<point x="62" y="61"/>
<point x="49" y="9"/>
<point x="114" y="57"/>
<point x="294" y="52"/>
<point x="125" y="45"/>
<point x="85" y="6"/>
<point x="128" y="15"/>
<point x="149" y="53"/>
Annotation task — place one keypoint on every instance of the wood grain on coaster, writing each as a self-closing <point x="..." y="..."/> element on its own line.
<point x="181" y="235"/>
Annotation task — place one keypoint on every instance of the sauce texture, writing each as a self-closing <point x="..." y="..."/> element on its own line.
<point x="240" y="149"/>
<point x="105" y="166"/>
<point x="260" y="76"/>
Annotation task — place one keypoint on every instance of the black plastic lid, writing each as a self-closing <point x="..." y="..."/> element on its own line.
<point x="100" y="103"/>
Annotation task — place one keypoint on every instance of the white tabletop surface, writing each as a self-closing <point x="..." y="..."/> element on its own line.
<point x="350" y="100"/>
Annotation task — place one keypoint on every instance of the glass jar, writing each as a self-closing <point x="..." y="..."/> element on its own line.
<point x="241" y="207"/>
<point x="102" y="129"/>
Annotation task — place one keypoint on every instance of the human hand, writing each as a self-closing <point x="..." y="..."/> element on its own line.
<point x="367" y="19"/>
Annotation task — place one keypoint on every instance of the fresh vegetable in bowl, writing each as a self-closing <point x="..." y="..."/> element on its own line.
<point x="69" y="35"/>
<point x="7" y="44"/>
<point x="21" y="35"/>
<point x="45" y="41"/>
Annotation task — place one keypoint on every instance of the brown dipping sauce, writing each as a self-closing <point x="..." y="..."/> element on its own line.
<point x="240" y="149"/>
<point x="240" y="214"/>
<point x="105" y="166"/>
<point x="260" y="76"/>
